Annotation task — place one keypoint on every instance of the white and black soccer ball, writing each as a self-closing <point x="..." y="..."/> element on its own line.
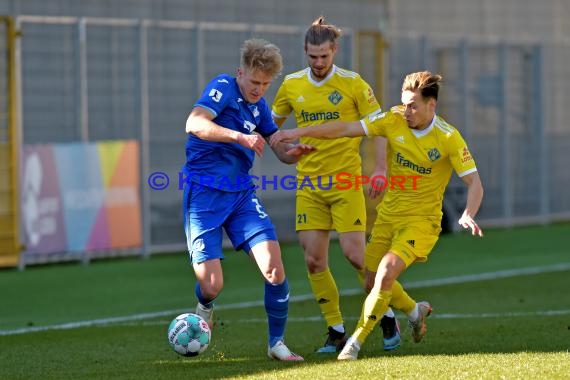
<point x="189" y="334"/>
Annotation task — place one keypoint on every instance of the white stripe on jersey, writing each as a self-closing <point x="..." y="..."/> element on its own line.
<point x="444" y="126"/>
<point x="463" y="174"/>
<point x="297" y="74"/>
<point x="346" y="73"/>
<point x="363" y="124"/>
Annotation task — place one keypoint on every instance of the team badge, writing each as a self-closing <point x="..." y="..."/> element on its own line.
<point x="434" y="154"/>
<point x="335" y="97"/>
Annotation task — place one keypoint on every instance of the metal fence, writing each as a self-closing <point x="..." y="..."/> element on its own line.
<point x="87" y="79"/>
<point x="500" y="96"/>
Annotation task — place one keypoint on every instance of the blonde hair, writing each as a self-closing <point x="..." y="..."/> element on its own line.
<point x="319" y="32"/>
<point x="262" y="55"/>
<point x="426" y="82"/>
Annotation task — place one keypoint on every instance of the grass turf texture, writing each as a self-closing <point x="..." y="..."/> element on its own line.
<point x="481" y="329"/>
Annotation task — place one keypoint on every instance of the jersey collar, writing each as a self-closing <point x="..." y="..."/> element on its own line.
<point x="425" y="131"/>
<point x="318" y="84"/>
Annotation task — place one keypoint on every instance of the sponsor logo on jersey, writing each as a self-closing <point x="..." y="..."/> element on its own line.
<point x="411" y="242"/>
<point x="319" y="116"/>
<point x="433" y="154"/>
<point x="335" y="97"/>
<point x="465" y="155"/>
<point x="400" y="159"/>
<point x="370" y="96"/>
<point x="216" y="95"/>
<point x="357" y="222"/>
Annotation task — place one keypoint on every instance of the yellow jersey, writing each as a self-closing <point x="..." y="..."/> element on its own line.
<point x="420" y="163"/>
<point x="342" y="96"/>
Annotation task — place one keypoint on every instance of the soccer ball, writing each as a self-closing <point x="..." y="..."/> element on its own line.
<point x="189" y="334"/>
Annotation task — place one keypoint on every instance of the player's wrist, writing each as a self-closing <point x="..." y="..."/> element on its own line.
<point x="236" y="136"/>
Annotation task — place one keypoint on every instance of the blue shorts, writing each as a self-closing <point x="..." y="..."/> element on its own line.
<point x="208" y="210"/>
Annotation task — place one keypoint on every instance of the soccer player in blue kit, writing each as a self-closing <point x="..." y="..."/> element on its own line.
<point x="228" y="125"/>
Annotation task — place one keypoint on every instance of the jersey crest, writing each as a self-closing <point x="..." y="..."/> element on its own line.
<point x="434" y="154"/>
<point x="335" y="97"/>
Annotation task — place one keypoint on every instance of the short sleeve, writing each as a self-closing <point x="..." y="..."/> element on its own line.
<point x="216" y="95"/>
<point x="460" y="156"/>
<point x="281" y="106"/>
<point x="377" y="124"/>
<point x="365" y="99"/>
<point x="267" y="126"/>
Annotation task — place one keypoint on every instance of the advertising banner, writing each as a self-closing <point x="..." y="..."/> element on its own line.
<point x="81" y="197"/>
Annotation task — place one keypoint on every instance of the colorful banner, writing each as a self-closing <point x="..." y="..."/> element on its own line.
<point x="81" y="197"/>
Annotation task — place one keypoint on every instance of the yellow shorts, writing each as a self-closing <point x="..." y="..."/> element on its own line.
<point x="411" y="239"/>
<point x="333" y="209"/>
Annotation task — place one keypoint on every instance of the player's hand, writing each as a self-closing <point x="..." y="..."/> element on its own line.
<point x="467" y="222"/>
<point x="287" y="135"/>
<point x="378" y="184"/>
<point x="299" y="150"/>
<point x="254" y="142"/>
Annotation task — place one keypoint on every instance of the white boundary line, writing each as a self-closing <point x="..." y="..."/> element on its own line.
<point x="318" y="318"/>
<point x="242" y="305"/>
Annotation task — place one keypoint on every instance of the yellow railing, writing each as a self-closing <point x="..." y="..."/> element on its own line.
<point x="370" y="46"/>
<point x="9" y="186"/>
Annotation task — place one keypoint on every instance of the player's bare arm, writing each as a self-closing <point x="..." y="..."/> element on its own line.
<point x="200" y="124"/>
<point x="332" y="130"/>
<point x="474" y="197"/>
<point x="379" y="174"/>
<point x="289" y="153"/>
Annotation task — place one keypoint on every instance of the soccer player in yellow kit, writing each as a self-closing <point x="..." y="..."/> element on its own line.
<point x="319" y="93"/>
<point x="424" y="150"/>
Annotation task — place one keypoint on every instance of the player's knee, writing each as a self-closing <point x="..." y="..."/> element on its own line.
<point x="356" y="259"/>
<point x="210" y="290"/>
<point x="275" y="277"/>
<point x="315" y="263"/>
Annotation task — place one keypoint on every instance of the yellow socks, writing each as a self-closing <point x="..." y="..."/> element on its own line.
<point x="375" y="305"/>
<point x="401" y="299"/>
<point x="327" y="296"/>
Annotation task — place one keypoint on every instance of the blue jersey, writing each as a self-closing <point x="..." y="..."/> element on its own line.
<point x="226" y="166"/>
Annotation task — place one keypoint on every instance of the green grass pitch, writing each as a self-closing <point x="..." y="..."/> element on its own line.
<point x="501" y="311"/>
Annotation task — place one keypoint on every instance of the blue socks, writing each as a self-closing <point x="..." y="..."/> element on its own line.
<point x="205" y="302"/>
<point x="277" y="309"/>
